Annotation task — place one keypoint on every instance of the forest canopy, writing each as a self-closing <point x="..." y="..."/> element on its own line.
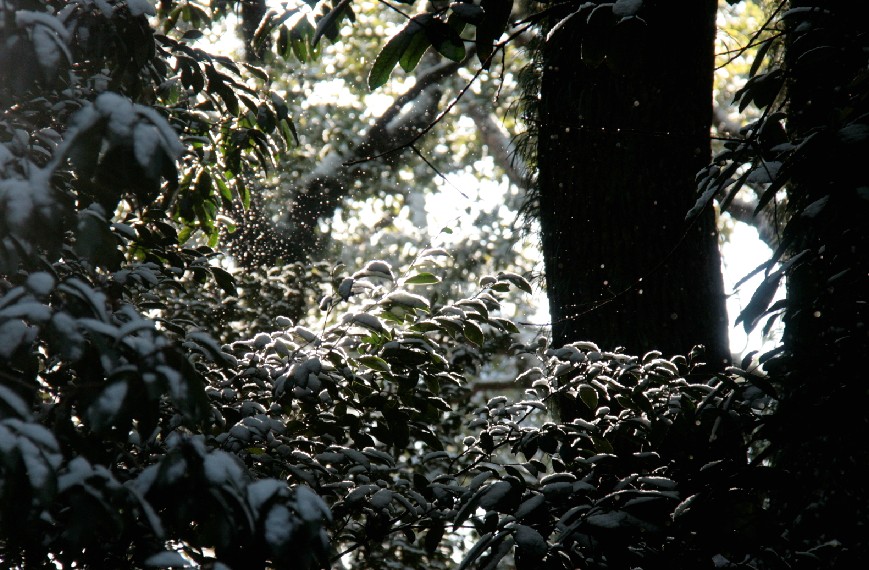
<point x="266" y="273"/>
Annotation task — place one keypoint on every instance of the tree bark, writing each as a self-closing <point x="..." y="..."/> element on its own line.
<point x="251" y="13"/>
<point x="620" y="142"/>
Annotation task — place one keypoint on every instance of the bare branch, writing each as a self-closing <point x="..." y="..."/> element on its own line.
<point x="499" y="144"/>
<point x="323" y="190"/>
<point x="295" y="236"/>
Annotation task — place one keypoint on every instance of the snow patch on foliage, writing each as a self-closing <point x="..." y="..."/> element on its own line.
<point x="815" y="208"/>
<point x="279" y="526"/>
<point x="167" y="559"/>
<point x="141" y="7"/>
<point x="222" y="468"/>
<point x="310" y="506"/>
<point x="625" y="8"/>
<point x="14" y="334"/>
<point x="40" y="283"/>
<point x="108" y="404"/>
<point x="49" y="38"/>
<point x="261" y="491"/>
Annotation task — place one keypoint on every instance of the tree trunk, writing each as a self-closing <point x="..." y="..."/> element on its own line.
<point x="251" y="13"/>
<point x="620" y="142"/>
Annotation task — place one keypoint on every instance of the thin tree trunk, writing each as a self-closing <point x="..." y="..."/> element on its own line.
<point x="619" y="146"/>
<point x="252" y="11"/>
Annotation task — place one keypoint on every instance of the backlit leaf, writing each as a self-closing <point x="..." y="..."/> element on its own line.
<point x="391" y="53"/>
<point x="422" y="279"/>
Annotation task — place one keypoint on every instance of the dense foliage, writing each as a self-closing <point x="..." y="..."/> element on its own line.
<point x="809" y="83"/>
<point x="129" y="436"/>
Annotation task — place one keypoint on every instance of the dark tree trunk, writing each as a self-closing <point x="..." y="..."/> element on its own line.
<point x="252" y="12"/>
<point x="819" y="430"/>
<point x="620" y="143"/>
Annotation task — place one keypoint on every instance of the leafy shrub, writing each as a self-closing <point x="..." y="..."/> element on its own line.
<point x="129" y="436"/>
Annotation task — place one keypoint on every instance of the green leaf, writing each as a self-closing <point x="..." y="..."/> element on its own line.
<point x="422" y="279"/>
<point x="735" y="187"/>
<point x="759" y="302"/>
<point x="203" y="184"/>
<point x="588" y="395"/>
<point x="516" y="279"/>
<point x="761" y="89"/>
<point x="374" y="363"/>
<point x="225" y="192"/>
<point x="468" y="12"/>
<point x="450" y="325"/>
<point x="225" y="280"/>
<point x="434" y="536"/>
<point x="171" y="19"/>
<point x="328" y="24"/>
<point x="243" y="191"/>
<point x="300" y="40"/>
<point x="265" y="118"/>
<point x="439" y="403"/>
<point x="759" y="58"/>
<point x="494" y="23"/>
<point x="446" y="40"/>
<point x="473" y="333"/>
<point x="185" y="234"/>
<point x="468" y="508"/>
<point x="95" y="241"/>
<point x="530" y="543"/>
<point x="391" y="53"/>
<point x="192" y="35"/>
<point x="426" y="326"/>
<point x="414" y="52"/>
<point x="601" y="445"/>
<point x="505" y="324"/>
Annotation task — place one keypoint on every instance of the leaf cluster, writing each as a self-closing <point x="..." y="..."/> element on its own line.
<point x="129" y="436"/>
<point x="104" y="407"/>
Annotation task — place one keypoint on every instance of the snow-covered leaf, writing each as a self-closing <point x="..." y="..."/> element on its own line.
<point x="168" y="559"/>
<point x="364" y="320"/>
<point x="310" y="506"/>
<point x="108" y="405"/>
<point x="376" y="268"/>
<point x="517" y="280"/>
<point x="625" y="8"/>
<point x="473" y="333"/>
<point x="221" y="468"/>
<point x="14" y="334"/>
<point x="405" y="299"/>
<point x="815" y="208"/>
<point x="279" y="526"/>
